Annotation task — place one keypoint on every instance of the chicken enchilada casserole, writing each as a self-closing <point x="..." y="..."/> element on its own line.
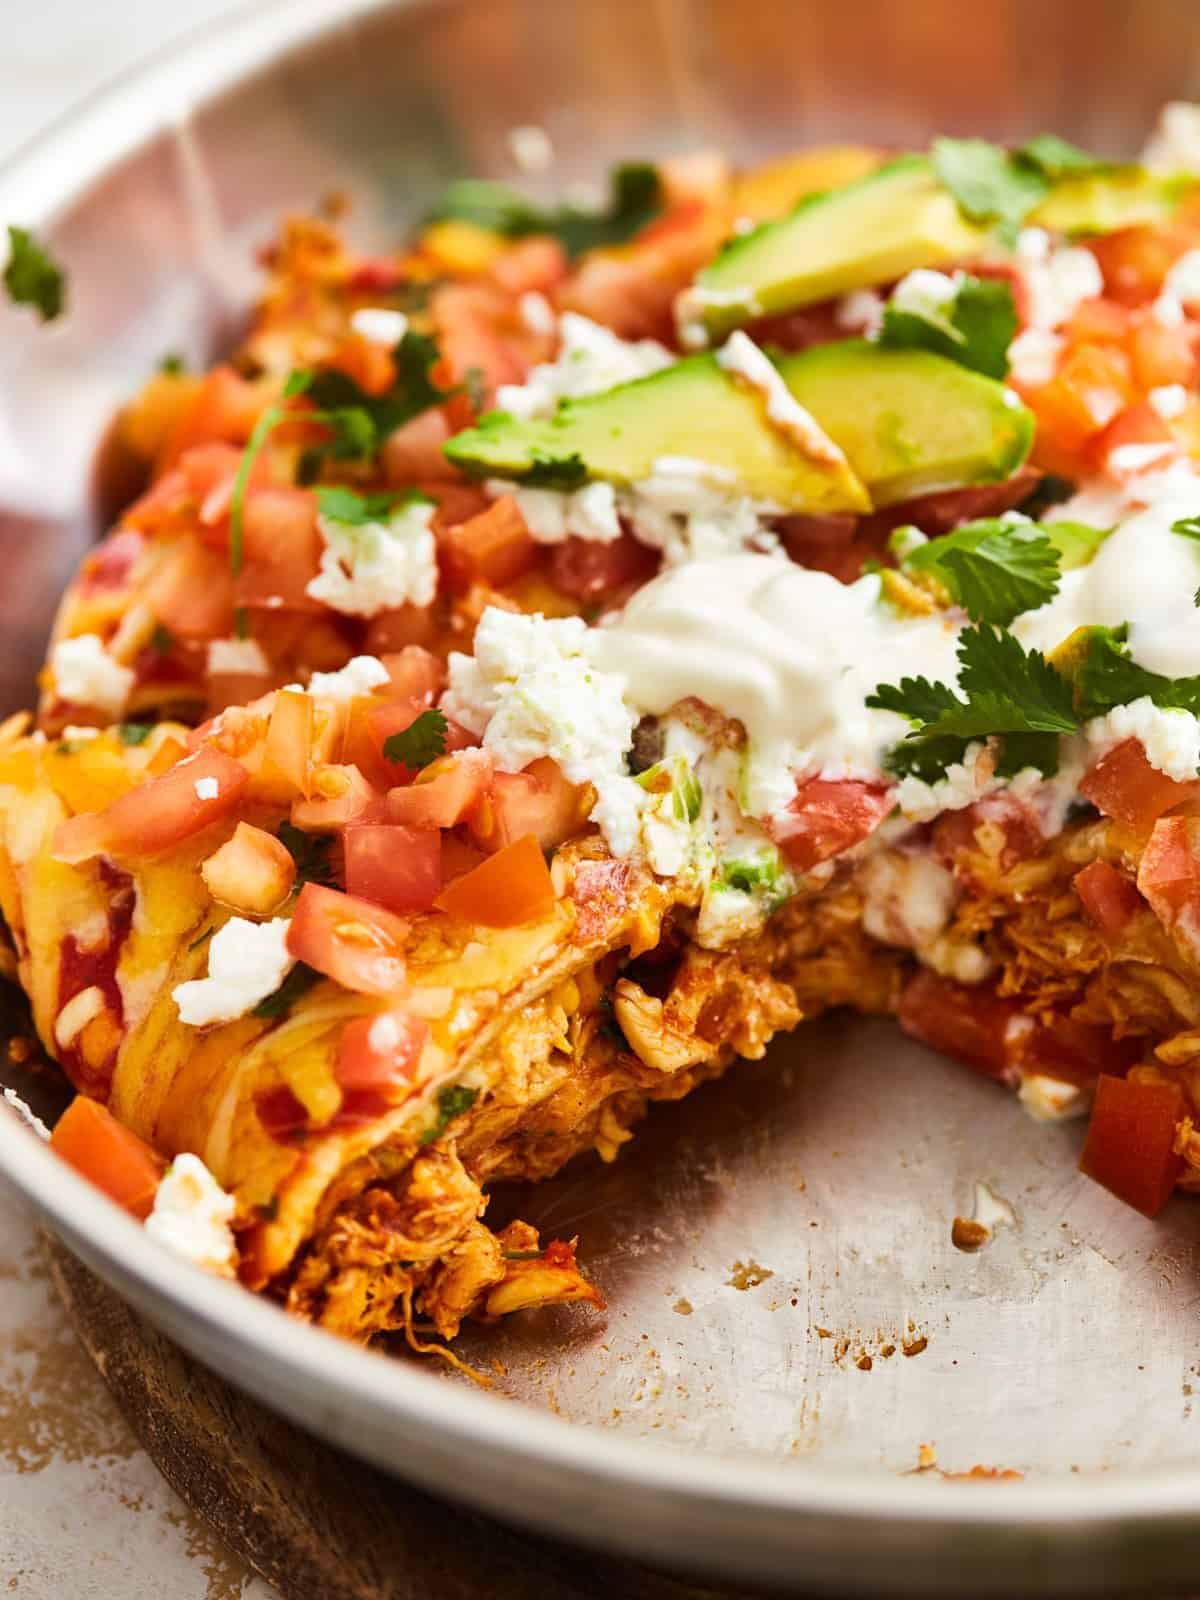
<point x="547" y="661"/>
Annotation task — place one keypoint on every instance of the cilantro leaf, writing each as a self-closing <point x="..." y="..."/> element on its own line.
<point x="172" y="364"/>
<point x="361" y="421"/>
<point x="978" y="327"/>
<point x="310" y="852"/>
<point x="452" y="1101"/>
<point x="133" y="733"/>
<point x="989" y="184"/>
<point x="298" y="982"/>
<point x="161" y="641"/>
<point x="992" y="568"/>
<point x="32" y="276"/>
<point x="1188" y="526"/>
<point x="347" y="506"/>
<point x="1106" y="676"/>
<point x="1004" y="690"/>
<point x="635" y="198"/>
<point x="420" y="743"/>
<point x="1057" y="158"/>
<point x="554" y="472"/>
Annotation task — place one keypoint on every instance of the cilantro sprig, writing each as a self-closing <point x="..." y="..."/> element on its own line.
<point x="452" y="1101"/>
<point x="975" y="328"/>
<point x="1005" y="692"/>
<point x="992" y="568"/>
<point x="354" y="510"/>
<point x="1105" y="676"/>
<point x="420" y="743"/>
<point x="1001" y="187"/>
<point x="33" y="277"/>
<point x="635" y="198"/>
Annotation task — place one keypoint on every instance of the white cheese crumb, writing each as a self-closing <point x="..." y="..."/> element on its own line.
<point x="591" y="358"/>
<point x="861" y="311"/>
<point x="206" y="788"/>
<point x="26" y="1113"/>
<point x="1059" y="283"/>
<point x="742" y="357"/>
<point x="1051" y="1100"/>
<point x="86" y="675"/>
<point x="381" y="324"/>
<point x="552" y="516"/>
<point x="378" y="566"/>
<point x="1169" y="400"/>
<point x="536" y="313"/>
<point x="360" y="675"/>
<point x="74" y="1017"/>
<point x="690" y="509"/>
<point x="1136" y="457"/>
<point x="1174" y="146"/>
<point x="1033" y="356"/>
<point x="531" y="148"/>
<point x="928" y="295"/>
<point x="1183" y="280"/>
<point x="247" y="961"/>
<point x="964" y="782"/>
<point x="532" y="690"/>
<point x="237" y="656"/>
<point x="1170" y="738"/>
<point x="192" y="1216"/>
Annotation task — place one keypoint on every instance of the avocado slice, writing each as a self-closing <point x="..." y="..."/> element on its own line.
<point x="1116" y="197"/>
<point x="910" y="422"/>
<point x="869" y="232"/>
<point x="692" y="409"/>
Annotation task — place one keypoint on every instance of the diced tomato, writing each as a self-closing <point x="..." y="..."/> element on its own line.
<point x="1169" y="871"/>
<point x="414" y="674"/>
<point x="509" y="888"/>
<point x="415" y="450"/>
<point x="495" y="547"/>
<point x="1093" y="384"/>
<point x="1098" y="321"/>
<point x="445" y="792"/>
<point x="458" y="857"/>
<point x="538" y="800"/>
<point x="589" y="571"/>
<point x="210" y="471"/>
<point x="284" y="1118"/>
<point x="225" y="409"/>
<point x="1109" y="897"/>
<point x="191" y="591"/>
<point x="535" y="264"/>
<point x="1130" y="1145"/>
<point x="456" y="502"/>
<point x="357" y="944"/>
<point x="89" y="1138"/>
<point x="1137" y="440"/>
<point x="159" y="814"/>
<point x="1160" y="354"/>
<point x="1124" y="785"/>
<point x="622" y="291"/>
<point x="290" y="738"/>
<point x="110" y="564"/>
<point x="338" y="797"/>
<point x="973" y="1025"/>
<point x="394" y="866"/>
<point x="822" y="543"/>
<point x="827" y="817"/>
<point x="407" y="625"/>
<point x="375" y="274"/>
<point x="1135" y="261"/>
<point x="380" y="1053"/>
<point x="368" y="363"/>
<point x="997" y="827"/>
<point x="282" y="550"/>
<point x="469" y="325"/>
<point x="1066" y="1048"/>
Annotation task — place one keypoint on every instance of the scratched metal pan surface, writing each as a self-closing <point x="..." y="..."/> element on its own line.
<point x="789" y="1320"/>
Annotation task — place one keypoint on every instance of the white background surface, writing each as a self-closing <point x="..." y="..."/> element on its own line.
<point x="84" y="1514"/>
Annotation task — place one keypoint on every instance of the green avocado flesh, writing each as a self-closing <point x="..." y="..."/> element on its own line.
<point x="1101" y="202"/>
<point x="691" y="409"/>
<point x="870" y="232"/>
<point x="910" y="422"/>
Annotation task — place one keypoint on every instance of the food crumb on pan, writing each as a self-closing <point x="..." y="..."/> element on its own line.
<point x="748" y="1274"/>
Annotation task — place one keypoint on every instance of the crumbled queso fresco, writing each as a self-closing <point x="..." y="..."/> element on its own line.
<point x="247" y="961"/>
<point x="380" y="565"/>
<point x="192" y="1217"/>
